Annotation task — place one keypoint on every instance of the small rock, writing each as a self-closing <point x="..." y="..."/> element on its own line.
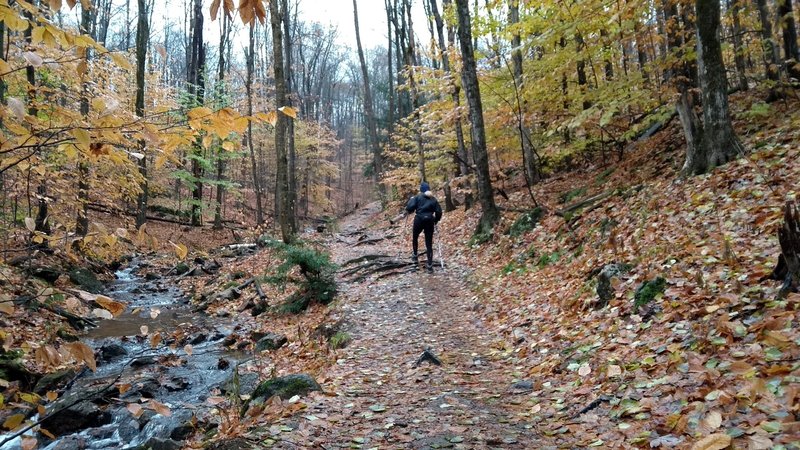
<point x="177" y="384"/>
<point x="143" y="361"/>
<point x="271" y="341"/>
<point x="248" y="382"/>
<point x="523" y="385"/>
<point x="223" y="364"/>
<point x="51" y="381"/>
<point x="230" y="340"/>
<point x="85" y="414"/>
<point x="160" y="444"/>
<point x="199" y="338"/>
<point x="150" y="276"/>
<point x="86" y="280"/>
<point x="286" y="387"/>
<point x="49" y="274"/>
<point x="605" y="291"/>
<point x="110" y="352"/>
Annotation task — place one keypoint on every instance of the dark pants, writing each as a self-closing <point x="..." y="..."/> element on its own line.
<point x="424" y="224"/>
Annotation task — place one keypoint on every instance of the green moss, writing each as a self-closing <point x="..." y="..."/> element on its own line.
<point x="548" y="258"/>
<point x="648" y="291"/>
<point x="572" y="194"/>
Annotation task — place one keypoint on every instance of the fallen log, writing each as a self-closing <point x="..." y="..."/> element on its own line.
<point x="789" y="238"/>
<point x="77" y="322"/>
<point x="591" y="202"/>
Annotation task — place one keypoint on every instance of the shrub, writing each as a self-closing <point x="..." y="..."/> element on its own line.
<point x="526" y="222"/>
<point x="648" y="291"/>
<point x="318" y="283"/>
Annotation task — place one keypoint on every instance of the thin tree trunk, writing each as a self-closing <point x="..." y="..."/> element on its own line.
<point x="530" y="168"/>
<point x="197" y="92"/>
<point x="469" y="76"/>
<point x="464" y="158"/>
<point x="223" y="38"/>
<point x="142" y="37"/>
<point x="734" y="6"/>
<point x="772" y="58"/>
<point x="283" y="206"/>
<point x="377" y="157"/>
<point x="411" y="63"/>
<point x="82" y="220"/>
<point x="249" y="90"/>
<point x="290" y="147"/>
<point x="390" y="113"/>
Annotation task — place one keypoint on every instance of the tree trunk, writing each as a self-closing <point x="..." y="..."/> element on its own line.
<point x="469" y="77"/>
<point x="411" y="63"/>
<point x="529" y="160"/>
<point x="223" y="38"/>
<point x="772" y="58"/>
<point x="718" y="143"/>
<point x="290" y="147"/>
<point x="390" y="78"/>
<point x="377" y="158"/>
<point x="197" y="92"/>
<point x="249" y="90"/>
<point x="82" y="220"/>
<point x="581" y="68"/>
<point x="734" y="6"/>
<point x="464" y="160"/>
<point x="142" y="36"/>
<point x="789" y="32"/>
<point x="282" y="206"/>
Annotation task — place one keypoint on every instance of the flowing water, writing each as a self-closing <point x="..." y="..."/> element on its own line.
<point x="166" y="373"/>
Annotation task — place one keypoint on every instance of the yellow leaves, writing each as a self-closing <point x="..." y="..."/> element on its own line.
<point x="4" y="67"/>
<point x="122" y="61"/>
<point x="82" y="352"/>
<point x="249" y="10"/>
<point x="55" y="5"/>
<point x="180" y="250"/>
<point x="51" y="395"/>
<point x="82" y="138"/>
<point x="114" y="307"/>
<point x="716" y="441"/>
<point x="289" y="111"/>
<point x="270" y="117"/>
<point x="13" y="421"/>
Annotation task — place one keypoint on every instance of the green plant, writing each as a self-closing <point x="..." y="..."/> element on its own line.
<point x="526" y="222"/>
<point x="480" y="238"/>
<point x="548" y="258"/>
<point x="648" y="291"/>
<point x="318" y="283"/>
<point x="572" y="194"/>
<point x="340" y="340"/>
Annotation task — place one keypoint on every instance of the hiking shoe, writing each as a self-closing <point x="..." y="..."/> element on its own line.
<point x="429" y="268"/>
<point x="415" y="260"/>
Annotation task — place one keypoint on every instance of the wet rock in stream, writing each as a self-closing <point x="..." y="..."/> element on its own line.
<point x="86" y="280"/>
<point x="84" y="414"/>
<point x="111" y="352"/>
<point x="271" y="341"/>
<point x="52" y="381"/>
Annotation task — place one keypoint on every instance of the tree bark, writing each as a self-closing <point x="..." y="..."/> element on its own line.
<point x="291" y="155"/>
<point x="142" y="37"/>
<point x="82" y="220"/>
<point x="223" y="38"/>
<point x="735" y="6"/>
<point x="249" y="90"/>
<point x="377" y="157"/>
<point x="464" y="159"/>
<point x="529" y="160"/>
<point x="772" y="58"/>
<point x="718" y="143"/>
<point x="789" y="32"/>
<point x="469" y="76"/>
<point x="282" y="204"/>
<point x="197" y="92"/>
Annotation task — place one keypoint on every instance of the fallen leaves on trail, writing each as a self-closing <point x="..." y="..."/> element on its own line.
<point x="114" y="307"/>
<point x="83" y="353"/>
<point x="716" y="441"/>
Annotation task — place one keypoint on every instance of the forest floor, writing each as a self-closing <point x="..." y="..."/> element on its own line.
<point x="382" y="395"/>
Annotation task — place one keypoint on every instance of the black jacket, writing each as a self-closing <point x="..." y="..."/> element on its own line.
<point x="426" y="206"/>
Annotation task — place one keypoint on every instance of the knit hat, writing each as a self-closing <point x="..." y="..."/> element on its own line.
<point x="424" y="187"/>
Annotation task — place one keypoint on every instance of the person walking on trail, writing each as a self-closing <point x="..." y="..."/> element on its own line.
<point x="428" y="214"/>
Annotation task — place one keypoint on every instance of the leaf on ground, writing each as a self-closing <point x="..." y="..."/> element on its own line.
<point x="114" y="307"/>
<point x="144" y="329"/>
<point x="188" y="349"/>
<point x="102" y="313"/>
<point x="29" y="443"/>
<point x="135" y="409"/>
<point x="7" y="308"/>
<point x="82" y="352"/>
<point x="716" y="441"/>
<point x="712" y="421"/>
<point x="13" y="421"/>
<point x="160" y="408"/>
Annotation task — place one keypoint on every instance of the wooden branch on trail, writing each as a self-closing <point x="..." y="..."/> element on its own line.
<point x="382" y="265"/>
<point x="372" y="240"/>
<point x="591" y="202"/>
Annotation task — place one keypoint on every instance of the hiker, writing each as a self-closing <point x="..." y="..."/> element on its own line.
<point x="428" y="214"/>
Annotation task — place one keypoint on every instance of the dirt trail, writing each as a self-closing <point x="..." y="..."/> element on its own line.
<point x="381" y="399"/>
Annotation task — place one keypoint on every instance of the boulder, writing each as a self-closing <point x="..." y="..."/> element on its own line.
<point x="49" y="274"/>
<point x="86" y="280"/>
<point x="248" y="382"/>
<point x="51" y="381"/>
<point x="605" y="291"/>
<point x="271" y="341"/>
<point x="77" y="417"/>
<point x="286" y="387"/>
<point x="160" y="444"/>
<point x="111" y="352"/>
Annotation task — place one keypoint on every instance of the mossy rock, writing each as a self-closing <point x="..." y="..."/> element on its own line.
<point x="286" y="387"/>
<point x="86" y="280"/>
<point x="648" y="291"/>
<point x="52" y="381"/>
<point x="181" y="268"/>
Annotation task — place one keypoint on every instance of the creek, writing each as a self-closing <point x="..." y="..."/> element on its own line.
<point x="179" y="369"/>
